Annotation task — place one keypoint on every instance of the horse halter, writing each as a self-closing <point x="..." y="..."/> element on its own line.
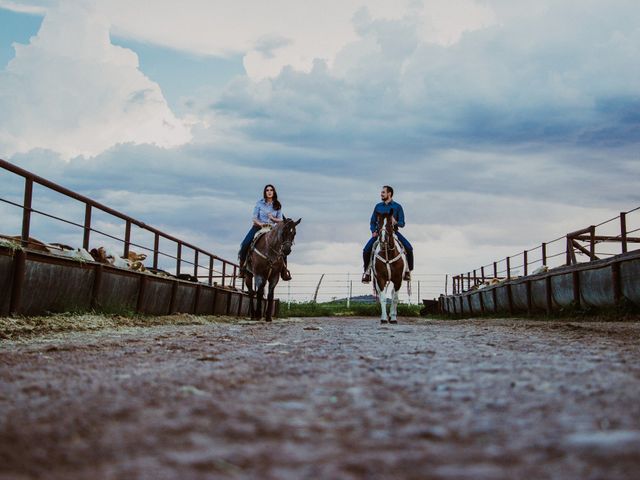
<point x="279" y="253"/>
<point x="384" y="236"/>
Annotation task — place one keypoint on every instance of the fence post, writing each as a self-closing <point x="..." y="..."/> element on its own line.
<point x="127" y="238"/>
<point x="348" y="292"/>
<point x="224" y="272"/>
<point x="495" y="269"/>
<point x="87" y="227"/>
<point x="156" y="247"/>
<point x="19" y="262"/>
<point x="508" y="268"/>
<point x="623" y="231"/>
<point x="569" y="248"/>
<point x="210" y="270"/>
<point x="195" y="264"/>
<point x="178" y="259"/>
<point x="526" y="262"/>
<point x="235" y="273"/>
<point x="592" y="242"/>
<point x="26" y="211"/>
<point x="544" y="254"/>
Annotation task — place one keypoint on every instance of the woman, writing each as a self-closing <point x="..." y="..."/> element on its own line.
<point x="268" y="211"/>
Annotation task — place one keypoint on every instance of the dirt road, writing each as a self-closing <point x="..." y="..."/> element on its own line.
<point x="325" y="398"/>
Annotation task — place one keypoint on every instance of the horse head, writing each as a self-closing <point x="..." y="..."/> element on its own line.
<point x="385" y="229"/>
<point x="288" y="234"/>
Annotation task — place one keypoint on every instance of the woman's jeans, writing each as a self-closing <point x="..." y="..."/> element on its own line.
<point x="246" y="243"/>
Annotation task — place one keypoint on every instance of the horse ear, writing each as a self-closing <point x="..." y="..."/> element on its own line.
<point x="298" y="222"/>
<point x="284" y="218"/>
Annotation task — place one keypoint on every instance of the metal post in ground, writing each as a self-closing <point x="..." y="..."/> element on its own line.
<point x="348" y="292"/>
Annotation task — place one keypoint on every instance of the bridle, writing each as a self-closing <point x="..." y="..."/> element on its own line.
<point x="384" y="242"/>
<point x="276" y="254"/>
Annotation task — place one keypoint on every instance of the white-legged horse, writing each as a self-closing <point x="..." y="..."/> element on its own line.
<point x="389" y="264"/>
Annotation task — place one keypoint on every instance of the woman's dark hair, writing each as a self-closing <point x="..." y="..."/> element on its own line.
<point x="276" y="203"/>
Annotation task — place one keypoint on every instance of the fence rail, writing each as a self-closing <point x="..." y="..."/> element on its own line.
<point x="226" y="271"/>
<point x="580" y="246"/>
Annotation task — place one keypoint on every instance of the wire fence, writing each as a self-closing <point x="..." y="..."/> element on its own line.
<point x="347" y="286"/>
<point x="611" y="237"/>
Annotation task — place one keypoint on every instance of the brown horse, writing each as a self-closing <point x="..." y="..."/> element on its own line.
<point x="265" y="261"/>
<point x="389" y="264"/>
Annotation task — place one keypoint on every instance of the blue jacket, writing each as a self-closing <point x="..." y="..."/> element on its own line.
<point x="383" y="208"/>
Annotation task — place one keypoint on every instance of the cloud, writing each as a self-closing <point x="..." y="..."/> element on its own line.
<point x="222" y="28"/>
<point x="70" y="90"/>
<point x="564" y="76"/>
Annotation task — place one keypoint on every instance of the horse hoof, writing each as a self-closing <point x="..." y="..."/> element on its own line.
<point x="267" y="319"/>
<point x="383" y="321"/>
<point x="395" y="322"/>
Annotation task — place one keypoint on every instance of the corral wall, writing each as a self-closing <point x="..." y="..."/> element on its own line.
<point x="601" y="283"/>
<point x="37" y="283"/>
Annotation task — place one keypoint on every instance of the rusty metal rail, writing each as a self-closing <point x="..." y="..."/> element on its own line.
<point x="228" y="274"/>
<point x="580" y="242"/>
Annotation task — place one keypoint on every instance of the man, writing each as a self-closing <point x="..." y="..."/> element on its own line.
<point x="385" y="206"/>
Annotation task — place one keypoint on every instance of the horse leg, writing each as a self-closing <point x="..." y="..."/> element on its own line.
<point x="270" y="294"/>
<point x="248" y="281"/>
<point x="394" y="307"/>
<point x="259" y="294"/>
<point x="382" y="296"/>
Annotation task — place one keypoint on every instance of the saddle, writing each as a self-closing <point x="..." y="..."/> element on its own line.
<point x="259" y="233"/>
<point x="264" y="230"/>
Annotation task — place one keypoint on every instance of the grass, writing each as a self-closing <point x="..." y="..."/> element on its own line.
<point x="339" y="308"/>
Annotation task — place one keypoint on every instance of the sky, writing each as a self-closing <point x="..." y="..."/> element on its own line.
<point x="500" y="124"/>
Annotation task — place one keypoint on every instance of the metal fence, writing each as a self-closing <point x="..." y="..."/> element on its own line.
<point x="93" y="223"/>
<point x="604" y="240"/>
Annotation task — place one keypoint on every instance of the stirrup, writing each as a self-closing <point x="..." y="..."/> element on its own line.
<point x="366" y="277"/>
<point x="285" y="274"/>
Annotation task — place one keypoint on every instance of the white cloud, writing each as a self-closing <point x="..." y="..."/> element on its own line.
<point x="306" y="30"/>
<point x="70" y="90"/>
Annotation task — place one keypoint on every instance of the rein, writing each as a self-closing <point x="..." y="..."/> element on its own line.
<point x="273" y="255"/>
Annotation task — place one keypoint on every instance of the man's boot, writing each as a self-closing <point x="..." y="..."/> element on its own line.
<point x="407" y="276"/>
<point x="366" y="277"/>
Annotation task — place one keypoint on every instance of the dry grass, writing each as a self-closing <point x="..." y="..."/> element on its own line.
<point x="14" y="328"/>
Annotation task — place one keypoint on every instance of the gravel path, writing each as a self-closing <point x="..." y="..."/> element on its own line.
<point x="328" y="398"/>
